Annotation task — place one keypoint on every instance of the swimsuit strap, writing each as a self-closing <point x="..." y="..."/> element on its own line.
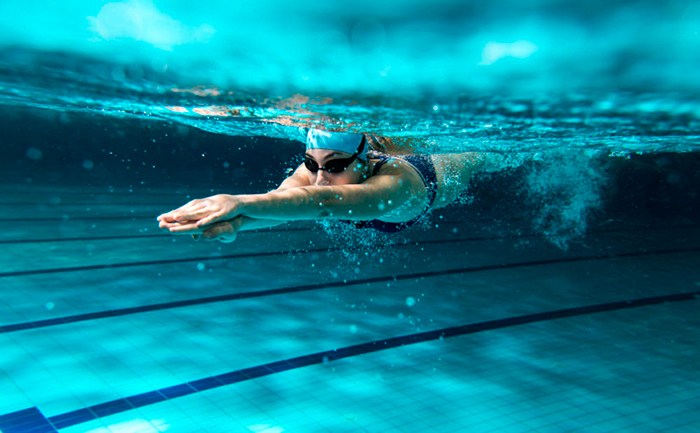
<point x="423" y="165"/>
<point x="425" y="168"/>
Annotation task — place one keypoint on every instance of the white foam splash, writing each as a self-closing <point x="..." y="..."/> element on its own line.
<point x="566" y="190"/>
<point x="359" y="245"/>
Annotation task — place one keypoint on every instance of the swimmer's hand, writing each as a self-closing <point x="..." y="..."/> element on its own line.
<point x="223" y="231"/>
<point x="198" y="214"/>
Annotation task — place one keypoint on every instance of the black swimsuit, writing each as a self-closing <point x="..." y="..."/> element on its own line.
<point x="425" y="168"/>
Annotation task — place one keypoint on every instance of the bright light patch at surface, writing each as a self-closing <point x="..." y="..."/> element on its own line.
<point x="140" y="20"/>
<point x="494" y="51"/>
<point x="265" y="428"/>
<point x="134" y="426"/>
<point x="370" y="47"/>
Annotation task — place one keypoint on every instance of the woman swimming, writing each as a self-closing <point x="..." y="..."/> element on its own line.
<point x="339" y="179"/>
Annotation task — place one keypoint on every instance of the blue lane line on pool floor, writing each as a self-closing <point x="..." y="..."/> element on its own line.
<point x="25" y="421"/>
<point x="22" y="326"/>
<point x="247" y="255"/>
<point x="209" y="258"/>
<point x="13" y="422"/>
<point x="225" y="257"/>
<point x="155" y="262"/>
<point x="304" y="229"/>
<point x="81" y="218"/>
<point x="116" y="238"/>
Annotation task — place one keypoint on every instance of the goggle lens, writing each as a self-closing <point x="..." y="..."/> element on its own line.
<point x="332" y="166"/>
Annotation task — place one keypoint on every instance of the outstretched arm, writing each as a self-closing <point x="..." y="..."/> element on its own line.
<point x="392" y="196"/>
<point x="227" y="231"/>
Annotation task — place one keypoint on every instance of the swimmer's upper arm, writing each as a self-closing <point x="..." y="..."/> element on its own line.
<point x="395" y="194"/>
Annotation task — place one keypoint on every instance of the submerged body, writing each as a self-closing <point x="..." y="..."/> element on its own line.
<point x="380" y="191"/>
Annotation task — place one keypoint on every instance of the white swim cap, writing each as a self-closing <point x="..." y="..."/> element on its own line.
<point x="341" y="141"/>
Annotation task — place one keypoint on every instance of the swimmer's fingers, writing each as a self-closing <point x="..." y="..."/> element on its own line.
<point x="186" y="212"/>
<point x="189" y="214"/>
<point x="166" y="217"/>
<point x="172" y="225"/>
<point x="172" y="215"/>
<point x="183" y="228"/>
<point x="204" y="211"/>
<point x="164" y="224"/>
<point x="168" y="226"/>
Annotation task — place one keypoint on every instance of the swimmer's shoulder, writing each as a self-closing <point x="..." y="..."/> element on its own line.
<point x="383" y="163"/>
<point x="396" y="167"/>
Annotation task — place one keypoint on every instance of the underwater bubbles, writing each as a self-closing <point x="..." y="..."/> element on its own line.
<point x="566" y="191"/>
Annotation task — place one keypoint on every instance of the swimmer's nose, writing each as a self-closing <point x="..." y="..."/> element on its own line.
<point x="322" y="178"/>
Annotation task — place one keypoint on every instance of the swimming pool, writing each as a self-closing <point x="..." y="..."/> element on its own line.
<point x="558" y="294"/>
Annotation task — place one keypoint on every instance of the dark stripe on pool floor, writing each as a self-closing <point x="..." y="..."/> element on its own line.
<point x="167" y="235"/>
<point x="94" y="238"/>
<point x="25" y="421"/>
<point x="231" y="256"/>
<point x="144" y="399"/>
<point x="310" y="287"/>
<point x="70" y="218"/>
<point x="305" y="229"/>
<point x="49" y="204"/>
<point x="275" y="253"/>
<point x="112" y="238"/>
<point x="158" y="262"/>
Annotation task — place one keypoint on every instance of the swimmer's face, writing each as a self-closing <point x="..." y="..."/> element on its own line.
<point x="353" y="174"/>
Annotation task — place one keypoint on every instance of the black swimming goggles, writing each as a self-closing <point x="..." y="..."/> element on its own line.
<point x="334" y="165"/>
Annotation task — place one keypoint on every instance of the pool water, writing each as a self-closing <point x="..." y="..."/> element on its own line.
<point x="558" y="293"/>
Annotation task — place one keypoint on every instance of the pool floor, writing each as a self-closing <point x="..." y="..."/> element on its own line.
<point x="109" y="325"/>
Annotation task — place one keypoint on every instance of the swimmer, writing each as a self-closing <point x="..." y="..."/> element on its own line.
<point x="340" y="179"/>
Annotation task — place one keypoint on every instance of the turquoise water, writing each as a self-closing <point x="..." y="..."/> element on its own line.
<point x="558" y="293"/>
<point x="461" y="76"/>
